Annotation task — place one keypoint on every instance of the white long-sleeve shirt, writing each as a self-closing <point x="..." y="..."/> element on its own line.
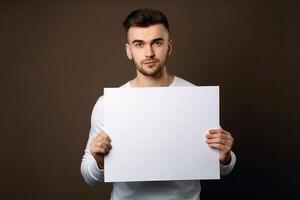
<point x="154" y="190"/>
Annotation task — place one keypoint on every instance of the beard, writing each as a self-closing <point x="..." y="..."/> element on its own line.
<point x="153" y="73"/>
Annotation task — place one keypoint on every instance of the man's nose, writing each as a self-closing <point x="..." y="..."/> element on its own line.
<point x="149" y="53"/>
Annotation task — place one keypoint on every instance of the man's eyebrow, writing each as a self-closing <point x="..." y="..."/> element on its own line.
<point x="134" y="41"/>
<point x="152" y="41"/>
<point x="157" y="39"/>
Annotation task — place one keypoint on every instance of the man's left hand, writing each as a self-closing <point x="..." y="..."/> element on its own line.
<point x="221" y="140"/>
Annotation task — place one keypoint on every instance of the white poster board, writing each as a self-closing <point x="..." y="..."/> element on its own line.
<point x="158" y="133"/>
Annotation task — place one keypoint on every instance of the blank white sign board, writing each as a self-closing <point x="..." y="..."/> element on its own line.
<point x="158" y="133"/>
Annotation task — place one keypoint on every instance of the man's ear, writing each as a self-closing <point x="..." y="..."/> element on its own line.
<point x="170" y="47"/>
<point x="128" y="52"/>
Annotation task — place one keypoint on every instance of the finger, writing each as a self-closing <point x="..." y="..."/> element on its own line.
<point x="218" y="141"/>
<point x="106" y="150"/>
<point x="219" y="135"/>
<point x="105" y="146"/>
<point x="215" y="130"/>
<point x="97" y="138"/>
<point x="105" y="136"/>
<point x="213" y="135"/>
<point x="226" y="132"/>
<point x="104" y="141"/>
<point x="219" y="130"/>
<point x="219" y="146"/>
<point x="103" y="149"/>
<point x="98" y="150"/>
<point x="96" y="145"/>
<point x="108" y="145"/>
<point x="228" y="143"/>
<point x="102" y="137"/>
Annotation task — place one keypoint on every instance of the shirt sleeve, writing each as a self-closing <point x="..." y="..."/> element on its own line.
<point x="89" y="168"/>
<point x="226" y="169"/>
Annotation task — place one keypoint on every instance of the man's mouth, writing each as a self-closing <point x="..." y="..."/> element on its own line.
<point x="150" y="62"/>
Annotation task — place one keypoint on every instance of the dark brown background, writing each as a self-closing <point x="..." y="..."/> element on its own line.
<point x="56" y="57"/>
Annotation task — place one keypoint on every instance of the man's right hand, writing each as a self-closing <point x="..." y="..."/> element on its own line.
<point x="100" y="146"/>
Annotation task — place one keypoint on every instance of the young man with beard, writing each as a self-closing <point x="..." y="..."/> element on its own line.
<point x="148" y="47"/>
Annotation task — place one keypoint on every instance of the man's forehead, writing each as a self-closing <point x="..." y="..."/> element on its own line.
<point x="147" y="33"/>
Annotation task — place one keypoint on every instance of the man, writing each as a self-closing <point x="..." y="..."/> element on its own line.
<point x="148" y="47"/>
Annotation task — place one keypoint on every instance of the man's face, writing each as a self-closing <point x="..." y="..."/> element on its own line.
<point x="149" y="48"/>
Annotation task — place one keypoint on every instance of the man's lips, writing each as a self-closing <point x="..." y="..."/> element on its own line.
<point x="150" y="62"/>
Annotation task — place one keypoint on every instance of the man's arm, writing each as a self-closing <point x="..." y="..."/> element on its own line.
<point x="90" y="170"/>
<point x="228" y="167"/>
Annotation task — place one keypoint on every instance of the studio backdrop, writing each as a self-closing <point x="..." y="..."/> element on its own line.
<point x="57" y="56"/>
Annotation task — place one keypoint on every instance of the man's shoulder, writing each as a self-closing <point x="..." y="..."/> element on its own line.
<point x="100" y="99"/>
<point x="181" y="82"/>
<point x="126" y="85"/>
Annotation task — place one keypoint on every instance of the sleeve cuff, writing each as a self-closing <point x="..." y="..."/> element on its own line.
<point x="97" y="172"/>
<point x="226" y="169"/>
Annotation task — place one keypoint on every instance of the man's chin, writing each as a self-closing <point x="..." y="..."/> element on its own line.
<point x="150" y="73"/>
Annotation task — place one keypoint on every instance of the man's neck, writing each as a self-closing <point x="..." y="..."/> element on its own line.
<point x="163" y="80"/>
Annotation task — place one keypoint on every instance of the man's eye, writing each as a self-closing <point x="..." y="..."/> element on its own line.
<point x="138" y="44"/>
<point x="157" y="43"/>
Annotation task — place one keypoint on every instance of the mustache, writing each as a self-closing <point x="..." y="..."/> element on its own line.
<point x="150" y="60"/>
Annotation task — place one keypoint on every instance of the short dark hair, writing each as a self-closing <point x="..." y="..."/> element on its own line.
<point x="144" y="18"/>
